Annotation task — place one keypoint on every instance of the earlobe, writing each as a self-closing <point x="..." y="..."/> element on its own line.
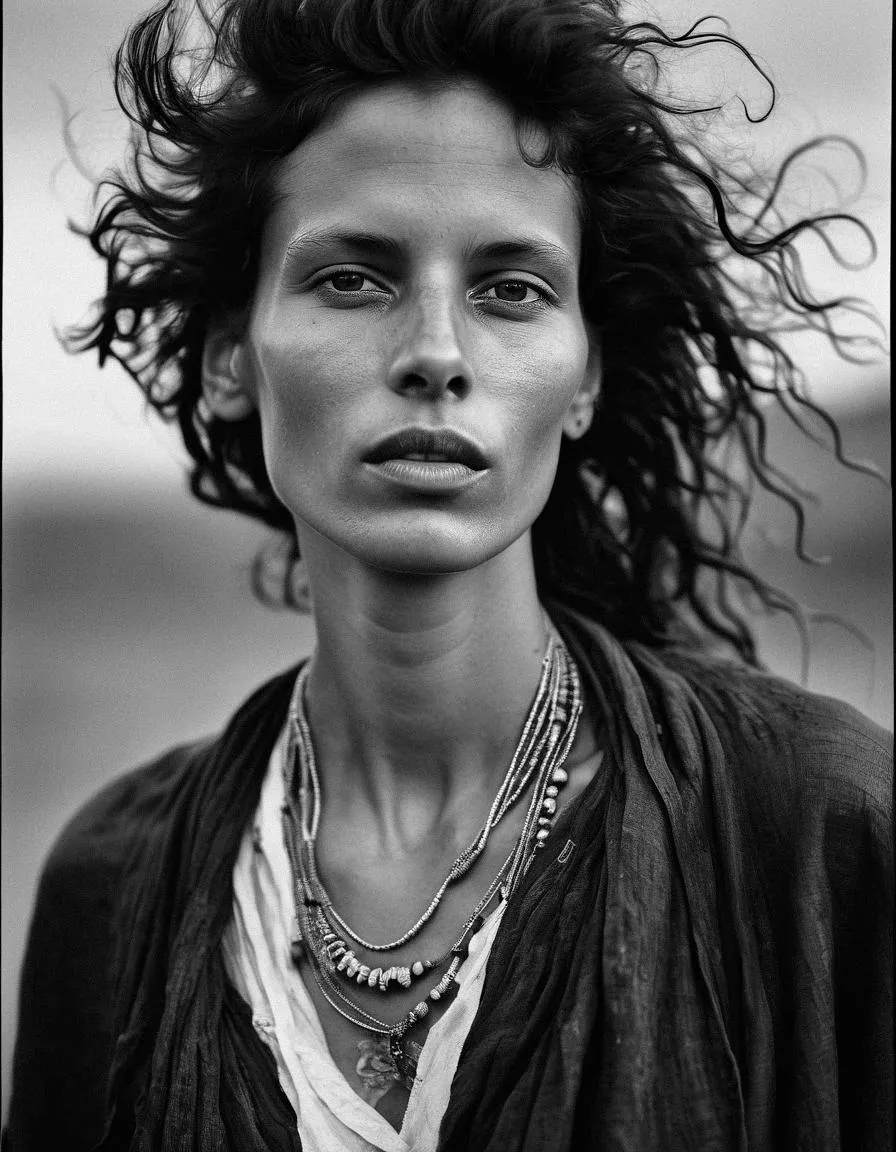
<point x="577" y="420"/>
<point x="224" y="385"/>
<point x="580" y="412"/>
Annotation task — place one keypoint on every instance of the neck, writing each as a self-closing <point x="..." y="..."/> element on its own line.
<point x="419" y="686"/>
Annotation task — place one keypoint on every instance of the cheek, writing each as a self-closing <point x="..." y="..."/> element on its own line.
<point x="298" y="391"/>
<point x="542" y="392"/>
<point x="286" y="371"/>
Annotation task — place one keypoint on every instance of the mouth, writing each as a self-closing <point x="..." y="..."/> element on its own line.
<point x="428" y="447"/>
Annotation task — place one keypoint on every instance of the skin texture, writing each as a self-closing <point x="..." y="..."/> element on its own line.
<point x="431" y="337"/>
<point x="430" y="634"/>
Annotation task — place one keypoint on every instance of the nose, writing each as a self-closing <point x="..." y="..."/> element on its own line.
<point x="430" y="361"/>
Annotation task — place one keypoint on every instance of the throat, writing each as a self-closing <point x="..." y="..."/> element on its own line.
<point x="419" y="686"/>
<point x="400" y="824"/>
<point x="354" y="915"/>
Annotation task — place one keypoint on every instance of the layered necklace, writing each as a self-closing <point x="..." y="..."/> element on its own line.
<point x="336" y="952"/>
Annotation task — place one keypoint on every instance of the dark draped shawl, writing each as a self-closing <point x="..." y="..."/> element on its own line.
<point x="707" y="966"/>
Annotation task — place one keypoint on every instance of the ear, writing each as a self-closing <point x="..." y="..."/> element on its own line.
<point x="580" y="412"/>
<point x="224" y="380"/>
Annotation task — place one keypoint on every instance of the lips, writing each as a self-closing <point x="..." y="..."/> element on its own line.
<point x="425" y="445"/>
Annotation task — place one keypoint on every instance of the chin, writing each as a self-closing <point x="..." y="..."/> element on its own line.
<point x="429" y="552"/>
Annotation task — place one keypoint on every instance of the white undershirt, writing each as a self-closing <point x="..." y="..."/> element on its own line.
<point x="257" y="959"/>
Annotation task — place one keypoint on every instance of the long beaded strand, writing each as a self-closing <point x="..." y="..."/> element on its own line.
<point x="404" y="1063"/>
<point x="508" y="793"/>
<point x="543" y="805"/>
<point x="555" y="732"/>
<point x="339" y="958"/>
<point x="335" y="948"/>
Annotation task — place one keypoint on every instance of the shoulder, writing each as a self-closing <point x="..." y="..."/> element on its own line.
<point x="777" y="745"/>
<point x="141" y="804"/>
<point x="807" y="779"/>
<point x="66" y="991"/>
<point x="797" y="799"/>
<point x="91" y="851"/>
<point x="786" y="736"/>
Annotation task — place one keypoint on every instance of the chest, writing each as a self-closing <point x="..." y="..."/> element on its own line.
<point x="363" y="1057"/>
<point x="381" y="913"/>
<point x="380" y="905"/>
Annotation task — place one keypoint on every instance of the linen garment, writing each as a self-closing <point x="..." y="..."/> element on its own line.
<point x="257" y="960"/>
<point x="710" y="968"/>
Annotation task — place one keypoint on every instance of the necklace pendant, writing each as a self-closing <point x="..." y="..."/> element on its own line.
<point x="405" y="1055"/>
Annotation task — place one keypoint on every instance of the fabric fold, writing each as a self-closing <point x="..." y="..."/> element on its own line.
<point x="708" y="967"/>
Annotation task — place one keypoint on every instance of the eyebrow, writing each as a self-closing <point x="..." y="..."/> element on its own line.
<point x="372" y="244"/>
<point x="525" y="248"/>
<point x="364" y="243"/>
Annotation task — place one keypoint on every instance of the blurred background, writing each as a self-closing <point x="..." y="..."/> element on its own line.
<point x="128" y="623"/>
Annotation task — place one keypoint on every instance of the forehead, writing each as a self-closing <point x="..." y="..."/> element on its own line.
<point x="441" y="164"/>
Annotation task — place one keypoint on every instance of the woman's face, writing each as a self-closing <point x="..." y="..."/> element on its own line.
<point x="417" y="276"/>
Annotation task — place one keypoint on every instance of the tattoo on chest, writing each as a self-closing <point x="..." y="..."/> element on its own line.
<point x="376" y="1068"/>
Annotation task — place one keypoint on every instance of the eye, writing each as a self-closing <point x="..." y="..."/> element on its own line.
<point x="348" y="281"/>
<point x="350" y="288"/>
<point x="514" y="292"/>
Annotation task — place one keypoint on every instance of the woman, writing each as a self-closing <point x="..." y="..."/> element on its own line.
<point x="528" y="854"/>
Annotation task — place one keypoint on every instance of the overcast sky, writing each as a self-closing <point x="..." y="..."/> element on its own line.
<point x="66" y="420"/>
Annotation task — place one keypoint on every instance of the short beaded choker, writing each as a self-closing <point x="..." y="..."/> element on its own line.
<point x="321" y="935"/>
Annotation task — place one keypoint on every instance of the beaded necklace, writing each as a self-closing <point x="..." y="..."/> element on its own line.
<point x="522" y="765"/>
<point x="547" y="736"/>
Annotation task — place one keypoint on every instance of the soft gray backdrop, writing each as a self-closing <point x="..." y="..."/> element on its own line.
<point x="128" y="624"/>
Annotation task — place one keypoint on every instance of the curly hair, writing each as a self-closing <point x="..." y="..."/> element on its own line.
<point x="689" y="273"/>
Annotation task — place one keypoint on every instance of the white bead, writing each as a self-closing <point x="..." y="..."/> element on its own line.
<point x="374" y="976"/>
<point x="403" y="976"/>
<point x="345" y="960"/>
<point x="551" y="790"/>
<point x="417" y="968"/>
<point x="559" y="776"/>
<point x="363" y="974"/>
<point x="542" y="834"/>
<point x="549" y="804"/>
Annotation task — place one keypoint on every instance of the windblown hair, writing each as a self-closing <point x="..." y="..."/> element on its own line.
<point x="689" y="272"/>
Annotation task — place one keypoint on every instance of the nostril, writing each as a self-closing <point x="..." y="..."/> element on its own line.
<point x="430" y="372"/>
<point x="457" y="385"/>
